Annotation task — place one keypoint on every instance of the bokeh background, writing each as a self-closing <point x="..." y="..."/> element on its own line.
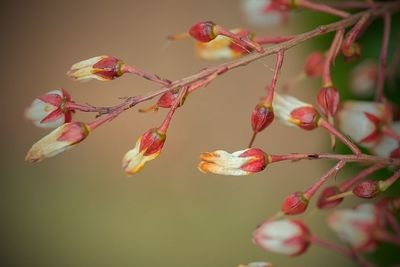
<point x="79" y="209"/>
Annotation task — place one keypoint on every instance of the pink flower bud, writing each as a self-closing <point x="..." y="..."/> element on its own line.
<point x="363" y="79"/>
<point x="295" y="203"/>
<point x="289" y="237"/>
<point x="49" y="110"/>
<point x="203" y="31"/>
<point x="59" y="140"/>
<point x="103" y="68"/>
<point x="356" y="226"/>
<point x="361" y="120"/>
<point x="239" y="163"/>
<point x="314" y="64"/>
<point x="328" y="99"/>
<point x="294" y="112"/>
<point x="367" y="189"/>
<point x="148" y="147"/>
<point x="261" y="117"/>
<point x="351" y="52"/>
<point x="323" y="203"/>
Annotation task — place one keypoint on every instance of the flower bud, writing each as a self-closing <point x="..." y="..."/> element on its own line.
<point x="363" y="79"/>
<point x="328" y="99"/>
<point x="356" y="226"/>
<point x="294" y="112"/>
<point x="49" y="110"/>
<point x="329" y="191"/>
<point x="223" y="47"/>
<point x="59" y="140"/>
<point x="367" y="189"/>
<point x="203" y="31"/>
<point x="244" y="162"/>
<point x="314" y="64"/>
<point x="289" y="237"/>
<point x="261" y="117"/>
<point x="295" y="203"/>
<point x="148" y="147"/>
<point x="351" y="52"/>
<point x="103" y="68"/>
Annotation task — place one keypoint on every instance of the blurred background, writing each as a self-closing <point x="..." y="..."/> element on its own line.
<point x="79" y="209"/>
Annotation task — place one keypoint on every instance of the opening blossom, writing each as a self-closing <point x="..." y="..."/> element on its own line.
<point x="289" y="237"/>
<point x="59" y="140"/>
<point x="148" y="147"/>
<point x="356" y="226"/>
<point x="103" y="68"/>
<point x="50" y="110"/>
<point x="361" y="120"/>
<point x="243" y="162"/>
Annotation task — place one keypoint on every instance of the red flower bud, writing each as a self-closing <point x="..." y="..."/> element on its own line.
<point x="323" y="203"/>
<point x="261" y="117"/>
<point x="351" y="52"/>
<point x="168" y="99"/>
<point x="305" y="117"/>
<point x="314" y="64"/>
<point x="367" y="189"/>
<point x="203" y="31"/>
<point x="328" y="100"/>
<point x="295" y="203"/>
<point x="103" y="68"/>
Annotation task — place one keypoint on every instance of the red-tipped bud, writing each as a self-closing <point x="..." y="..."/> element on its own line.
<point x="328" y="100"/>
<point x="351" y="52"/>
<point x="305" y="117"/>
<point x="314" y="64"/>
<point x="295" y="203"/>
<point x="103" y="68"/>
<point x="168" y="99"/>
<point x="203" y="31"/>
<point x="261" y="117"/>
<point x="323" y="203"/>
<point x="367" y="189"/>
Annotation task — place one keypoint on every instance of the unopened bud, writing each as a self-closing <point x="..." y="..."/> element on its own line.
<point x="203" y="31"/>
<point x="351" y="52"/>
<point x="367" y="189"/>
<point x="328" y="100"/>
<point x="103" y="68"/>
<point x="261" y="117"/>
<point x="314" y="64"/>
<point x="295" y="203"/>
<point x="305" y="117"/>
<point x="323" y="203"/>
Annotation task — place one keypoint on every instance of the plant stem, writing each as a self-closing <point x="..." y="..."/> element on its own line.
<point x="380" y="83"/>
<point x="146" y="75"/>
<point x="361" y="175"/>
<point x="322" y="8"/>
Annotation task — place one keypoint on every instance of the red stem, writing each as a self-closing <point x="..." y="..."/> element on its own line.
<point x="355" y="31"/>
<point x="333" y="50"/>
<point x="331" y="246"/>
<point x="322" y="8"/>
<point x="353" y="4"/>
<point x="391" y="219"/>
<point x="390" y="181"/>
<point x="271" y="88"/>
<point x="164" y="126"/>
<point x="244" y="41"/>
<point x="384" y="236"/>
<point x="361" y="175"/>
<point x="333" y="171"/>
<point x="380" y="84"/>
<point x="271" y="40"/>
<point x="146" y="75"/>
<point x="75" y="106"/>
<point x="347" y="142"/>
<point x="103" y="119"/>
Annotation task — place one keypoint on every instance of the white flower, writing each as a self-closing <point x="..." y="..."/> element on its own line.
<point x="256" y="14"/>
<point x="361" y="120"/>
<point x="363" y="78"/>
<point x="48" y="110"/>
<point x="243" y="162"/>
<point x="386" y="145"/>
<point x="289" y="237"/>
<point x="356" y="226"/>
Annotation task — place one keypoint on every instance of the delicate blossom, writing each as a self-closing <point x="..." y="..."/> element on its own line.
<point x="243" y="162"/>
<point x="103" y="68"/>
<point x="148" y="147"/>
<point x="50" y="110"/>
<point x="356" y="226"/>
<point x="294" y="112"/>
<point x="59" y="140"/>
<point x="361" y="120"/>
<point x="289" y="237"/>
